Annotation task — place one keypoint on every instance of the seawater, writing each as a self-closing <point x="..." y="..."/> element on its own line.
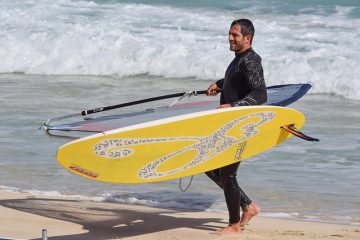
<point x="64" y="56"/>
<point x="311" y="41"/>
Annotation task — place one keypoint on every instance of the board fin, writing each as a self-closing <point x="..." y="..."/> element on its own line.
<point x="294" y="131"/>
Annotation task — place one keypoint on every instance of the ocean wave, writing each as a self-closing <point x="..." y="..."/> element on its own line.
<point x="164" y="199"/>
<point x="90" y="38"/>
<point x="50" y="193"/>
<point x="315" y="218"/>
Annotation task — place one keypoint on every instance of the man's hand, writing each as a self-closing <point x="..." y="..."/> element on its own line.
<point x="224" y="106"/>
<point x="211" y="91"/>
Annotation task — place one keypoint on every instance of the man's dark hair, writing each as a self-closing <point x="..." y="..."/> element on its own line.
<point x="246" y="26"/>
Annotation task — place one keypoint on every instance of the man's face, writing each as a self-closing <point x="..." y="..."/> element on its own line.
<point x="238" y="43"/>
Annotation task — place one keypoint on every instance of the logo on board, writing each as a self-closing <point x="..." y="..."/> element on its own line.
<point x="206" y="147"/>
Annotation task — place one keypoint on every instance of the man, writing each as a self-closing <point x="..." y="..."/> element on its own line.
<point x="243" y="85"/>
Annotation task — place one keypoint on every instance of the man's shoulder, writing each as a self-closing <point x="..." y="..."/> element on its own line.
<point x="249" y="61"/>
<point x="252" y="62"/>
<point x="252" y="57"/>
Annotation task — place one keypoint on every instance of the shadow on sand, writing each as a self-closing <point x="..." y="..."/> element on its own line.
<point x="109" y="220"/>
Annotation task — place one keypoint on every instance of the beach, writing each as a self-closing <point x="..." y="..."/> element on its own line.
<point x="65" y="56"/>
<point x="23" y="216"/>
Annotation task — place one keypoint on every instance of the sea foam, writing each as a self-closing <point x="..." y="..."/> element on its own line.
<point x="91" y="38"/>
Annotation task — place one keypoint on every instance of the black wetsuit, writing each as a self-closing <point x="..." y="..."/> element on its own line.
<point x="243" y="85"/>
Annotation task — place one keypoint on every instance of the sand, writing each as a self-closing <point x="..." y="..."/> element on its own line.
<point x="23" y="216"/>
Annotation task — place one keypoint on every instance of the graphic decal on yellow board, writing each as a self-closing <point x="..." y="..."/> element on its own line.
<point x="206" y="147"/>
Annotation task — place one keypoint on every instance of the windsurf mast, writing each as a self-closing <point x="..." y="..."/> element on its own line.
<point x="107" y="108"/>
<point x="102" y="109"/>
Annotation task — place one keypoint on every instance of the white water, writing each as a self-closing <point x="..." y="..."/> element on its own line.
<point x="92" y="38"/>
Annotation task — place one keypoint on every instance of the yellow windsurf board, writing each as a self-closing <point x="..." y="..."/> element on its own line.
<point x="179" y="146"/>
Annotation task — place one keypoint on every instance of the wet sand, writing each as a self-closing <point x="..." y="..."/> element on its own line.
<point x="23" y="216"/>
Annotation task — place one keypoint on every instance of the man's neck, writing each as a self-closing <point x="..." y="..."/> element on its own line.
<point x="243" y="51"/>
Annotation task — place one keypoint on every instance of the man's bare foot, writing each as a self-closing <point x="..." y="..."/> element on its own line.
<point x="251" y="211"/>
<point x="233" y="228"/>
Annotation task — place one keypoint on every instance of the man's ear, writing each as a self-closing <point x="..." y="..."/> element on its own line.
<point x="248" y="39"/>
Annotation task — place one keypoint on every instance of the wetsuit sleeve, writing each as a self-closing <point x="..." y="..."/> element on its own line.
<point x="220" y="83"/>
<point x="254" y="76"/>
